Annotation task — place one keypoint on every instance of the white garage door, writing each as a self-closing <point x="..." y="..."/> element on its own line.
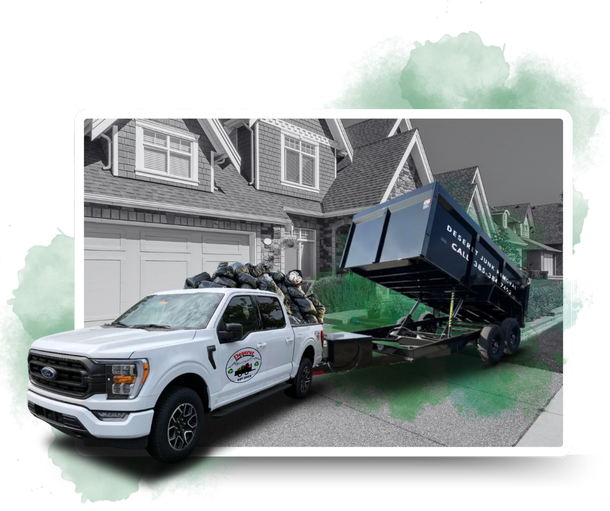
<point x="125" y="263"/>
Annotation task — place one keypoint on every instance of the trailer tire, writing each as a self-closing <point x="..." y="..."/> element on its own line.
<point x="511" y="331"/>
<point x="301" y="383"/>
<point x="180" y="410"/>
<point x="491" y="344"/>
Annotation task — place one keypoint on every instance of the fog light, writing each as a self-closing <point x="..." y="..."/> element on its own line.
<point x="111" y="415"/>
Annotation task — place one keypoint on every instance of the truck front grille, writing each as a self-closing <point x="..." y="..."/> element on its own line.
<point x="73" y="376"/>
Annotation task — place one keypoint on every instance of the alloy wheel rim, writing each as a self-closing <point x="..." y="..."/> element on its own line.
<point x="305" y="379"/>
<point x="182" y="426"/>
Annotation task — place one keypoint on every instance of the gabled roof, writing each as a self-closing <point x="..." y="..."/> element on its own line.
<point x="235" y="199"/>
<point x="364" y="181"/>
<point x="369" y="131"/>
<point x="548" y="219"/>
<point x="459" y="183"/>
<point x="516" y="211"/>
<point x="534" y="245"/>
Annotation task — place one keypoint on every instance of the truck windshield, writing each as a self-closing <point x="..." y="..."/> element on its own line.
<point x="175" y="311"/>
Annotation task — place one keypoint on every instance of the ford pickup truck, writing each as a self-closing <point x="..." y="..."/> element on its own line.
<point x="148" y="378"/>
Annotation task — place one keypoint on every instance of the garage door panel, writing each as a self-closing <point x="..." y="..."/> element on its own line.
<point x="105" y="238"/>
<point x="162" y="275"/>
<point x="176" y="243"/>
<point x="126" y="262"/>
<point x="102" y="290"/>
<point x="225" y="244"/>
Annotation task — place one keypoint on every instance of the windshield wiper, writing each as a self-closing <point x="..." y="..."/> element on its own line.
<point x="152" y="325"/>
<point x="118" y="323"/>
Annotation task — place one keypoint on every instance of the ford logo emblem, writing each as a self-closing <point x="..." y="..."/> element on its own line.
<point x="49" y="373"/>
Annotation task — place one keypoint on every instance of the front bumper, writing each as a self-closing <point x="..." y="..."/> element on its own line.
<point x="81" y="422"/>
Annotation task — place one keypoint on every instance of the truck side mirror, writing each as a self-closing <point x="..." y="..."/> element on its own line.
<point x="231" y="332"/>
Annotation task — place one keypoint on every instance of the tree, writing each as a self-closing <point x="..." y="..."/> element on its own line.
<point x="502" y="238"/>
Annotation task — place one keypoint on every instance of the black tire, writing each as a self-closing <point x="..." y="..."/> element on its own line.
<point x="491" y="344"/>
<point x="301" y="383"/>
<point x="177" y="425"/>
<point x="511" y="331"/>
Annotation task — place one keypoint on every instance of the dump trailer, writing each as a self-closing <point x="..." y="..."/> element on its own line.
<point x="425" y="246"/>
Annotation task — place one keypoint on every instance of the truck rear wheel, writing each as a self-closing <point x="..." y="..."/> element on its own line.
<point x="511" y="332"/>
<point x="430" y="328"/>
<point x="491" y="344"/>
<point x="301" y="383"/>
<point x="177" y="425"/>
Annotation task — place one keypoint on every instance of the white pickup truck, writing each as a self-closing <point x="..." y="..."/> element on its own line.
<point x="147" y="378"/>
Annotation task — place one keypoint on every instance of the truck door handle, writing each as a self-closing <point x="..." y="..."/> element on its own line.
<point x="211" y="350"/>
<point x="261" y="345"/>
<point x="289" y="340"/>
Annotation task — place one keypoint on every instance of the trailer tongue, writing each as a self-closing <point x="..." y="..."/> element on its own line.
<point x="425" y="246"/>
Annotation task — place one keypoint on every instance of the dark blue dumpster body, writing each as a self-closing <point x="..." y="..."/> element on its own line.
<point x="425" y="246"/>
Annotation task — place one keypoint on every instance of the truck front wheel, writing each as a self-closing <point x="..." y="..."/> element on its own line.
<point x="301" y="383"/>
<point x="177" y="425"/>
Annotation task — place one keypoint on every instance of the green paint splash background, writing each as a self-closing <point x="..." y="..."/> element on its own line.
<point x="455" y="72"/>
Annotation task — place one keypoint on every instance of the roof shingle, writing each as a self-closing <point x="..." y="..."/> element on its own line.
<point x="548" y="223"/>
<point x="459" y="183"/>
<point x="369" y="131"/>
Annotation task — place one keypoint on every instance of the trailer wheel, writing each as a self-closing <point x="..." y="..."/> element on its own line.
<point x="512" y="335"/>
<point x="491" y="344"/>
<point x="177" y="425"/>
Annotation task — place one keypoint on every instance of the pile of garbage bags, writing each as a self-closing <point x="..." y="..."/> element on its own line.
<point x="301" y="307"/>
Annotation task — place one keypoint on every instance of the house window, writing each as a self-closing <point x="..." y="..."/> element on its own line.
<point x="526" y="229"/>
<point x="505" y="219"/>
<point x="299" y="163"/>
<point x="166" y="154"/>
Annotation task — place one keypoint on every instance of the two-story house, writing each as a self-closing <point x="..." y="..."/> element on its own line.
<point x="169" y="198"/>
<point x="523" y="228"/>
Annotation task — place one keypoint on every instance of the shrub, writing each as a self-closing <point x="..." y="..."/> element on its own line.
<point x="537" y="274"/>
<point x="545" y="295"/>
<point x="351" y="292"/>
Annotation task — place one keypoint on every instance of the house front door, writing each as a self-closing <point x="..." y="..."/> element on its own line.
<point x="547" y="263"/>
<point x="302" y="255"/>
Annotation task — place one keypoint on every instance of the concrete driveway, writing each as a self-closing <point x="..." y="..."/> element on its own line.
<point x="450" y="401"/>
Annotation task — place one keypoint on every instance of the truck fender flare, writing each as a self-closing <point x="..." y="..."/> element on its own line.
<point x="297" y="360"/>
<point x="178" y="370"/>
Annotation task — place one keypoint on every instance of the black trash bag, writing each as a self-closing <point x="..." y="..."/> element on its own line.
<point x="295" y="292"/>
<point x="305" y="306"/>
<point x="313" y="298"/>
<point x="320" y="311"/>
<point x="225" y="271"/>
<point x="266" y="283"/>
<point x="246" y="278"/>
<point x="277" y="276"/>
<point x="263" y="267"/>
<point x="283" y="288"/>
<point x="262" y="283"/>
<point x="239" y="268"/>
<point x="294" y="320"/>
<point x="280" y="294"/>
<point x="254" y="270"/>
<point x="205" y="284"/>
<point x="245" y="286"/>
<point x="225" y="282"/>
<point x="192" y="282"/>
<point x="297" y="314"/>
<point x="310" y="318"/>
<point x="293" y="278"/>
<point x="223" y="263"/>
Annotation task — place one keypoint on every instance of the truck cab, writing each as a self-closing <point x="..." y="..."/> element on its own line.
<point x="148" y="378"/>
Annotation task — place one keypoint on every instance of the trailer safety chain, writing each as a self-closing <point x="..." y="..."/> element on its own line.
<point x="358" y="356"/>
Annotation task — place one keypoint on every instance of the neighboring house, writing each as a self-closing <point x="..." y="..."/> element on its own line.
<point x="166" y="199"/>
<point x="522" y="227"/>
<point x="466" y="187"/>
<point x="548" y="219"/>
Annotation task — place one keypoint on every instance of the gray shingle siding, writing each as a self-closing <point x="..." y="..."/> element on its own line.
<point x="270" y="164"/>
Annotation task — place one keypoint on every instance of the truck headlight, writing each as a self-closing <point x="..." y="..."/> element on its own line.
<point x="124" y="378"/>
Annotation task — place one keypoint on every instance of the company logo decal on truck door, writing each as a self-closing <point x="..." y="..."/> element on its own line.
<point x="243" y="365"/>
